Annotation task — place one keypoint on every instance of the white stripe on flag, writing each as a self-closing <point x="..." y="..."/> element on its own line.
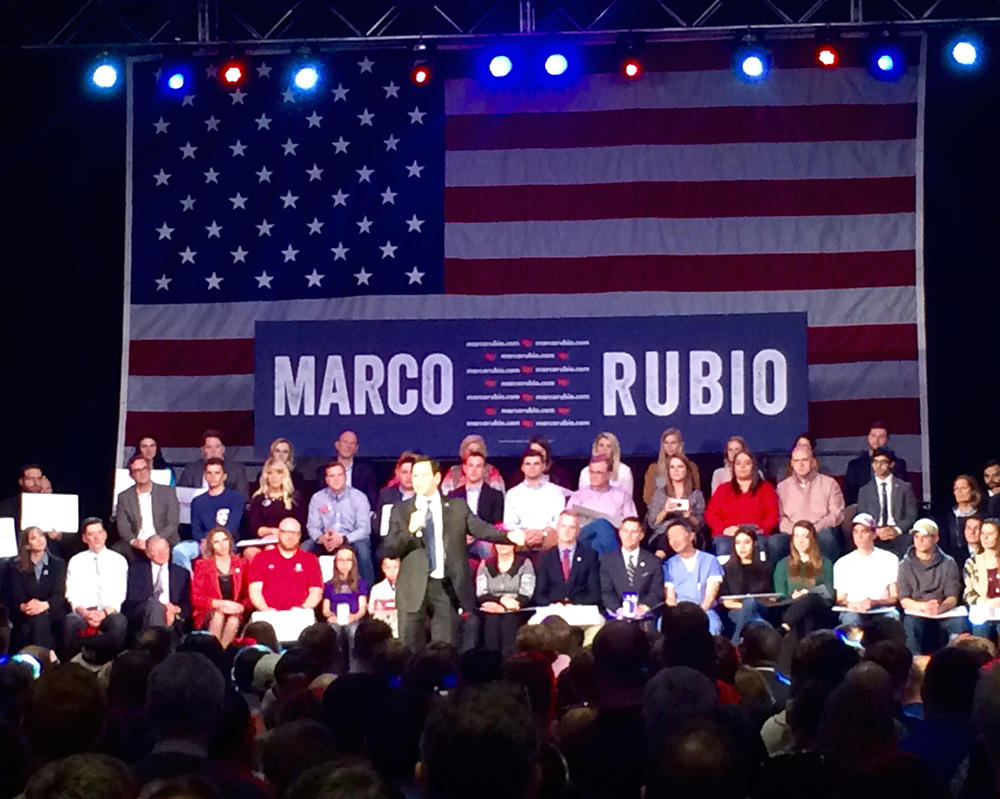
<point x="863" y="380"/>
<point x="203" y="393"/>
<point x="688" y="162"/>
<point x="832" y="307"/>
<point x="722" y="236"/>
<point x="705" y="89"/>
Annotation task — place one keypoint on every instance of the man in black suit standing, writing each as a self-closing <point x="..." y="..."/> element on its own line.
<point x="631" y="570"/>
<point x="568" y="573"/>
<point x="891" y="502"/>
<point x="158" y="592"/>
<point x="859" y="470"/>
<point x="427" y="532"/>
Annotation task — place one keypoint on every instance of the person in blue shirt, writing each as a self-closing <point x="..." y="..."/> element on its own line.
<point x="692" y="575"/>
<point x="217" y="507"/>
<point x="338" y="515"/>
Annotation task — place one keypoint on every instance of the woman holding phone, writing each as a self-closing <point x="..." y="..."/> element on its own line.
<point x="675" y="497"/>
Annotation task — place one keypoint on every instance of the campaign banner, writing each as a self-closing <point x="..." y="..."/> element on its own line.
<point x="425" y="384"/>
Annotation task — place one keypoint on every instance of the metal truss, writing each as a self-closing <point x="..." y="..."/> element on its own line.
<point x="139" y="24"/>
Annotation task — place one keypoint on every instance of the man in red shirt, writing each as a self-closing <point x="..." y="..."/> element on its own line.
<point x="286" y="577"/>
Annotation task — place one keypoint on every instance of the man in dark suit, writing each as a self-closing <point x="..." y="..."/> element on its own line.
<point x="991" y="480"/>
<point x="890" y="501"/>
<point x="212" y="447"/>
<point x="631" y="570"/>
<point x="427" y="532"/>
<point x="483" y="500"/>
<point x="159" y="502"/>
<point x="859" y="470"/>
<point x="569" y="572"/>
<point x="158" y="592"/>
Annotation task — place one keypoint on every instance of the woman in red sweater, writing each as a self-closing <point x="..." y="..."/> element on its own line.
<point x="746" y="499"/>
<point x="219" y="587"/>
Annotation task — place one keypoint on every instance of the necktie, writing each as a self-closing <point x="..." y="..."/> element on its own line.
<point x="429" y="539"/>
<point x="566" y="566"/>
<point x="883" y="516"/>
<point x="630" y="570"/>
<point x="158" y="587"/>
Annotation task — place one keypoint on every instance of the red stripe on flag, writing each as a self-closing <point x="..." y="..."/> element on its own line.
<point x="682" y="126"/>
<point x="681" y="199"/>
<point x="770" y="272"/>
<point x="192" y="357"/>
<point x="851" y="343"/>
<point x="184" y="428"/>
<point x="845" y="418"/>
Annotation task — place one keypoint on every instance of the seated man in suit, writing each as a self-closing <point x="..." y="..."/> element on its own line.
<point x="428" y="533"/>
<point x="483" y="500"/>
<point x="144" y="510"/>
<point x="859" y="470"/>
<point x="991" y="479"/>
<point x="631" y="570"/>
<point x="193" y="475"/>
<point x="159" y="592"/>
<point x="568" y="573"/>
<point x="890" y="501"/>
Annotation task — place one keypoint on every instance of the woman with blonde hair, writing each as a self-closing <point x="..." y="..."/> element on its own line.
<point x="275" y="499"/>
<point x="671" y="444"/>
<point x="219" y="587"/>
<point x="282" y="449"/>
<point x="606" y="444"/>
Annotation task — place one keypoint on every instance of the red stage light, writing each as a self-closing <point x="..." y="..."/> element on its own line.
<point x="420" y="75"/>
<point x="827" y="57"/>
<point x="232" y="73"/>
<point x="632" y="68"/>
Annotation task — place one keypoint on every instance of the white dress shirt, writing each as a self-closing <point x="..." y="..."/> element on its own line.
<point x="145" y="514"/>
<point x="533" y="507"/>
<point x="96" y="580"/>
<point x="164" y="596"/>
<point x="434" y="502"/>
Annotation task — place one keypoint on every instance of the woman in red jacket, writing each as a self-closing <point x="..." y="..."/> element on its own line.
<point x="746" y="499"/>
<point x="219" y="587"/>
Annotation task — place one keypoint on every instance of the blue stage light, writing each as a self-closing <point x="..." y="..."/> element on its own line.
<point x="501" y="66"/>
<point x="752" y="63"/>
<point x="965" y="51"/>
<point x="887" y="60"/>
<point x="556" y="64"/>
<point x="176" y="81"/>
<point x="306" y="78"/>
<point x="104" y="76"/>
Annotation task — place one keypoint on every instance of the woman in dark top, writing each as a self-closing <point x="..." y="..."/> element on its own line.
<point x="273" y="501"/>
<point x="149" y="448"/>
<point x="504" y="584"/>
<point x="37" y="581"/>
<point x="745" y="573"/>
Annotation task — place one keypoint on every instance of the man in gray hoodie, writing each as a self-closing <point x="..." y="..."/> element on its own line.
<point x="930" y="587"/>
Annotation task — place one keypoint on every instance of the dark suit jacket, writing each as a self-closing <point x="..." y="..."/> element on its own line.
<point x="166" y="514"/>
<point x="859" y="472"/>
<point x="490" y="503"/>
<point x="584" y="585"/>
<point x="991" y="507"/>
<point x="614" y="582"/>
<point x="904" y="503"/>
<point x="50" y="588"/>
<point x="458" y="521"/>
<point x="236" y="476"/>
<point x="140" y="590"/>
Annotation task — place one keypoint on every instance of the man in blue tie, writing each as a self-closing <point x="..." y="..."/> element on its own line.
<point x="427" y="532"/>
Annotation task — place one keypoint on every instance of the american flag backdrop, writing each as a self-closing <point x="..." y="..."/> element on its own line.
<point x="684" y="192"/>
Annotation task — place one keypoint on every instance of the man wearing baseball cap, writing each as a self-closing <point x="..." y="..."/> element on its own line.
<point x="865" y="579"/>
<point x="929" y="585"/>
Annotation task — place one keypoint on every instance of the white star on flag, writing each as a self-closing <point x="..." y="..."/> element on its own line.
<point x="264" y="280"/>
<point x="187" y="150"/>
<point x="263" y="71"/>
<point x="339" y="252"/>
<point x="340" y="93"/>
<point x="315" y="226"/>
<point x="239" y="254"/>
<point x="315" y="173"/>
<point x="264" y="175"/>
<point x="340" y="198"/>
<point x="214" y="281"/>
<point x="263" y="122"/>
<point x="161" y="126"/>
<point x="416" y="115"/>
<point x="390" y="143"/>
<point x="315" y="278"/>
<point x="187" y="203"/>
<point x="388" y="249"/>
<point x="415" y="276"/>
<point x="289" y="199"/>
<point x="365" y="225"/>
<point x="413" y="224"/>
<point x="340" y="146"/>
<point x="238" y="96"/>
<point x="314" y="119"/>
<point x="162" y="178"/>
<point x="289" y="146"/>
<point x="163" y="282"/>
<point x="388" y="196"/>
<point x="188" y="100"/>
<point x="392" y="90"/>
<point x="187" y="255"/>
<point x="413" y="170"/>
<point x="289" y="252"/>
<point x="212" y="123"/>
<point x="264" y="228"/>
<point x="363" y="276"/>
<point x="238" y="201"/>
<point x="366" y="65"/>
<point x="214" y="230"/>
<point x="164" y="231"/>
<point x="238" y="149"/>
<point x="211" y="176"/>
<point x="364" y="174"/>
<point x="366" y="118"/>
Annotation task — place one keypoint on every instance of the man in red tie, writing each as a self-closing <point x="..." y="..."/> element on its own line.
<point x="569" y="572"/>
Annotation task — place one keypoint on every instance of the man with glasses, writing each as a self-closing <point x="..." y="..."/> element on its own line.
<point x="144" y="510"/>
<point x="891" y="502"/>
